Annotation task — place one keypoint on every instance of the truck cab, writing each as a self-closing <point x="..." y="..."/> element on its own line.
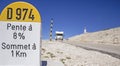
<point x="59" y="35"/>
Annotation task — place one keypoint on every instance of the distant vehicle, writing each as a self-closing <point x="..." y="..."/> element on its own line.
<point x="59" y="35"/>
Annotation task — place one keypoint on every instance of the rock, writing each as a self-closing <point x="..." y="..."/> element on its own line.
<point x="108" y="36"/>
<point x="68" y="55"/>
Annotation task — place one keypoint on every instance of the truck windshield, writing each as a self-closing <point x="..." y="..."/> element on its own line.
<point x="59" y="34"/>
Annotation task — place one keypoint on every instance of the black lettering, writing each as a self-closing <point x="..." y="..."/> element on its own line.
<point x="17" y="53"/>
<point x="21" y="54"/>
<point x="8" y="46"/>
<point x="25" y="10"/>
<point x="9" y="13"/>
<point x="18" y="13"/>
<point x="31" y="16"/>
<point x="12" y="53"/>
<point x="3" y="45"/>
<point x="8" y="25"/>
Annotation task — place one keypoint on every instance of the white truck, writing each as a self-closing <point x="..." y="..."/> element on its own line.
<point x="59" y="35"/>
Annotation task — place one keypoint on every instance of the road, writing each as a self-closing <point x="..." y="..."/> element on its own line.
<point x="113" y="50"/>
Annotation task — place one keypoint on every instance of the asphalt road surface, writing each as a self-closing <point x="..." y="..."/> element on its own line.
<point x="113" y="50"/>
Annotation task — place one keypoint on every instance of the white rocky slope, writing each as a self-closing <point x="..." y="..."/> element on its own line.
<point x="109" y="36"/>
<point x="74" y="56"/>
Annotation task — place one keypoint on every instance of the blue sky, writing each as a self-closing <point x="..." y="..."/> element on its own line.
<point x="71" y="16"/>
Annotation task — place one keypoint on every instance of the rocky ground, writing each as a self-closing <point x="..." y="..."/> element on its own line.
<point x="71" y="55"/>
<point x="107" y="36"/>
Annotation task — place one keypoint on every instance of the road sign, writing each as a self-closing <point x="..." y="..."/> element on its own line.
<point x="20" y="26"/>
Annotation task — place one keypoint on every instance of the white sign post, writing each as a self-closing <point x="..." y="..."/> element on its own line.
<point x="20" y="31"/>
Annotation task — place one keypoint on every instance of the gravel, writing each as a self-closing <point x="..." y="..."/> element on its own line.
<point x="71" y="55"/>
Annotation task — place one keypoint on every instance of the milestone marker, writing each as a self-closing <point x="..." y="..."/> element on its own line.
<point x="20" y="26"/>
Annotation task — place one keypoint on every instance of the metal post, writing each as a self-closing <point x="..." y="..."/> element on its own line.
<point x="51" y="28"/>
